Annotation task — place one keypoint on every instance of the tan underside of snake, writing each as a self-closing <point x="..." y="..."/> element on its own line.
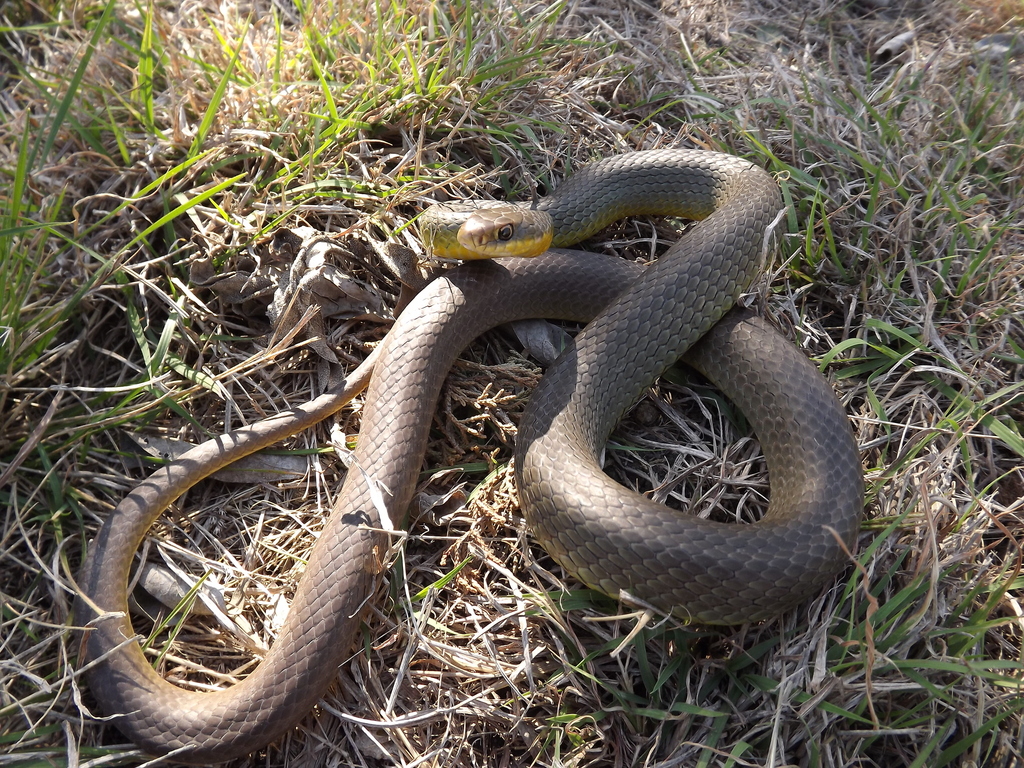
<point x="612" y="539"/>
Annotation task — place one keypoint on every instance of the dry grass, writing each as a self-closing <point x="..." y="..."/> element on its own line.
<point x="139" y="140"/>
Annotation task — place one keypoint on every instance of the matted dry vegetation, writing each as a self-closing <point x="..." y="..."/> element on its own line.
<point x="150" y="149"/>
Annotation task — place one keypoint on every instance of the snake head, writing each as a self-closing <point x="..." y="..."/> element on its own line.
<point x="506" y="231"/>
<point x="485" y="231"/>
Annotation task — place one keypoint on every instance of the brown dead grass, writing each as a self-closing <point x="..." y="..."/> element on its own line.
<point x="902" y="269"/>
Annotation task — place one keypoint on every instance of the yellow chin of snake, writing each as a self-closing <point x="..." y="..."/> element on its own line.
<point x="473" y="231"/>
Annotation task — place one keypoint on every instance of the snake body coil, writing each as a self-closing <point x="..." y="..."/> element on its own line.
<point x="611" y="538"/>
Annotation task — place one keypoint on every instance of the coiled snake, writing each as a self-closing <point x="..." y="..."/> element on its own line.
<point x="612" y="539"/>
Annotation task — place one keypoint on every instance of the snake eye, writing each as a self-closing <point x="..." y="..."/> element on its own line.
<point x="506" y="232"/>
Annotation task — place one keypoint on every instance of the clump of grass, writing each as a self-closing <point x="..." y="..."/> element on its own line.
<point x="143" y="145"/>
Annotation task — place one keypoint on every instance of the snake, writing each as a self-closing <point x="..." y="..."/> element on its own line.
<point x="640" y="322"/>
